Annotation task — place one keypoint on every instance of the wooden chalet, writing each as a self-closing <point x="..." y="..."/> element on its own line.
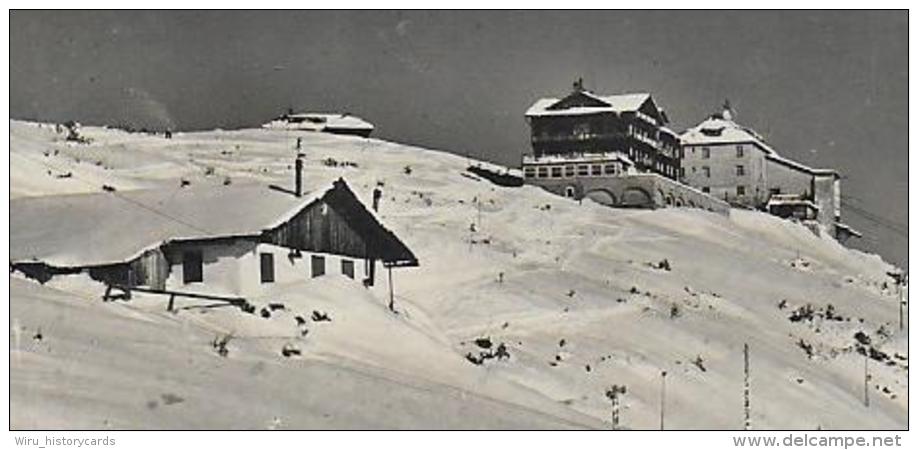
<point x="228" y="240"/>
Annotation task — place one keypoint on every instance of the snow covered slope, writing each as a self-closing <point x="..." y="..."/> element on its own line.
<point x="576" y="293"/>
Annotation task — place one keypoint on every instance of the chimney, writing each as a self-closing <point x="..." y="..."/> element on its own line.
<point x="299" y="176"/>
<point x="728" y="110"/>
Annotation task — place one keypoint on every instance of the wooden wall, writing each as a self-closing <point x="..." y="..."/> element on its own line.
<point x="319" y="228"/>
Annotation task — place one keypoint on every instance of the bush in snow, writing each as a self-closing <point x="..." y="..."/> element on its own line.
<point x="320" y="317"/>
<point x="220" y="343"/>
<point x="674" y="311"/>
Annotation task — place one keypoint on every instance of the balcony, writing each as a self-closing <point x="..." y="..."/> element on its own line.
<point x="580" y="137"/>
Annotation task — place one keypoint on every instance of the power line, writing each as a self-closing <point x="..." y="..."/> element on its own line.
<point x="121" y="197"/>
<point x="877" y="219"/>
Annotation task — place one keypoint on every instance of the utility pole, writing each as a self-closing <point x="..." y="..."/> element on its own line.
<point x="747" y="424"/>
<point x="902" y="282"/>
<point x="391" y="292"/>
<point x="662" y="399"/>
<point x="866" y="379"/>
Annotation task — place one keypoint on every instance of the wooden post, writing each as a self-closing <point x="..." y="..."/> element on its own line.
<point x="478" y="204"/>
<point x="747" y="424"/>
<point x="108" y="293"/>
<point x="391" y="292"/>
<point x="171" y="305"/>
<point x="613" y="395"/>
<point x="662" y="399"/>
<point x="866" y="379"/>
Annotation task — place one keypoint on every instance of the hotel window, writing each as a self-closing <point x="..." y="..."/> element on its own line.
<point x="530" y="172"/>
<point x="741" y="190"/>
<point x="569" y="170"/>
<point x="596" y="170"/>
<point x="739" y="151"/>
<point x="192" y="266"/>
<point x="543" y="172"/>
<point x="583" y="171"/>
<point x="707" y="171"/>
<point x="267" y="267"/>
<point x="705" y="152"/>
<point x="682" y="171"/>
<point x="610" y="169"/>
<point x="556" y="172"/>
<point x="740" y="171"/>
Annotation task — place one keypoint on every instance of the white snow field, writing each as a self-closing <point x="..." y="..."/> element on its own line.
<point x="575" y="293"/>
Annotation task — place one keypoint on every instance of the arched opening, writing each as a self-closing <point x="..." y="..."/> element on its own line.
<point x="636" y="198"/>
<point x="570" y="192"/>
<point x="601" y="196"/>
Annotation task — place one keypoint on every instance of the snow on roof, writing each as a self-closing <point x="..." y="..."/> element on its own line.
<point x="319" y="122"/>
<point x="721" y="129"/>
<point x="615" y="103"/>
<point x="791" y="200"/>
<point x="105" y="228"/>
<point x="799" y="166"/>
<point x="577" y="158"/>
<point x="848" y="228"/>
<point x="718" y="130"/>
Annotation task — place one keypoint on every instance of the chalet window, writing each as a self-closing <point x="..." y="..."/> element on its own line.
<point x="739" y="151"/>
<point x="556" y="172"/>
<point x="706" y="190"/>
<point x="583" y="171"/>
<point x="318" y="266"/>
<point x="530" y="172"/>
<point x="610" y="169"/>
<point x="347" y="268"/>
<point x="267" y="267"/>
<point x="707" y="171"/>
<point x="740" y="171"/>
<point x="596" y="170"/>
<point x="192" y="267"/>
<point x="741" y="190"/>
<point x="543" y="172"/>
<point x="705" y="152"/>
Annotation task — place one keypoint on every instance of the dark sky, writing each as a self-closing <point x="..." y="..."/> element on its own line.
<point x="827" y="88"/>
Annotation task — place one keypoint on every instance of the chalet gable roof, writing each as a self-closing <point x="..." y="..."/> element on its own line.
<point x="586" y="102"/>
<point x="107" y="228"/>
